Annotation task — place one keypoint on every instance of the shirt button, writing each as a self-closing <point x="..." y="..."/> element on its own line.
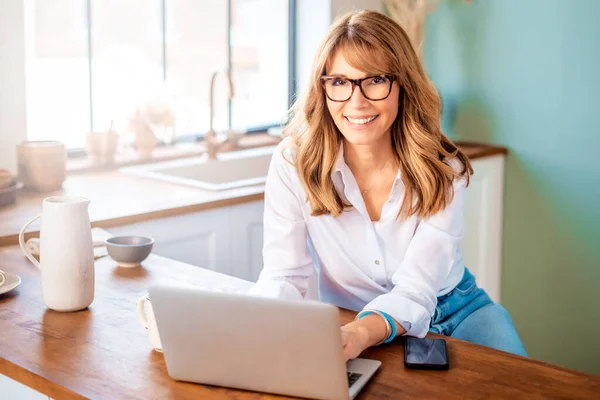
<point x="377" y="262"/>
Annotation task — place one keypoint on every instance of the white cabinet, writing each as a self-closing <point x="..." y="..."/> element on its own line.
<point x="200" y="238"/>
<point x="11" y="389"/>
<point x="482" y="243"/>
<point x="246" y="240"/>
<point x="227" y="240"/>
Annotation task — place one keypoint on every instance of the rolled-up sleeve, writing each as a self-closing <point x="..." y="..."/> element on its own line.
<point x="428" y="261"/>
<point x="287" y="263"/>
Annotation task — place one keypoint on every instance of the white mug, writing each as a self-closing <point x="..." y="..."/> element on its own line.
<point x="2" y="278"/>
<point x="149" y="322"/>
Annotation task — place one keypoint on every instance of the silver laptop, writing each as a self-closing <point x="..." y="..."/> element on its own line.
<point x="261" y="344"/>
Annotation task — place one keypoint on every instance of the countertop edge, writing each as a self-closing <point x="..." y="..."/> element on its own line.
<point x="485" y="150"/>
<point x="150" y="215"/>
<point x="180" y="210"/>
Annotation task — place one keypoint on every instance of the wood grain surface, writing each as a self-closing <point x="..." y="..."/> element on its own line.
<point x="103" y="352"/>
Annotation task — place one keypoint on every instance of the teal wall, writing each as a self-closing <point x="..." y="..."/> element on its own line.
<point x="526" y="75"/>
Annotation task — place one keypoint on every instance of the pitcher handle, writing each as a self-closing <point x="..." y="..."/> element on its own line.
<point x="142" y="312"/>
<point x="22" y="243"/>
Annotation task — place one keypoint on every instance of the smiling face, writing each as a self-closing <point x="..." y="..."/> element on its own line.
<point x="360" y="120"/>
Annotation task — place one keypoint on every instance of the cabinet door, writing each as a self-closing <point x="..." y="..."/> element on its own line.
<point x="11" y="389"/>
<point x="200" y="238"/>
<point x="246" y="224"/>
<point x="246" y="221"/>
<point x="482" y="241"/>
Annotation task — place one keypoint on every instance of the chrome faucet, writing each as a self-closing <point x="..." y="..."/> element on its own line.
<point x="213" y="144"/>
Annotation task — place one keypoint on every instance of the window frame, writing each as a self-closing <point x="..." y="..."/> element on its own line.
<point x="291" y="58"/>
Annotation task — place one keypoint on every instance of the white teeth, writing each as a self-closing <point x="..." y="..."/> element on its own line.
<point x="361" y="121"/>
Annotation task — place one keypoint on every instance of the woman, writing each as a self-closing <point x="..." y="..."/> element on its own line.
<point x="368" y="190"/>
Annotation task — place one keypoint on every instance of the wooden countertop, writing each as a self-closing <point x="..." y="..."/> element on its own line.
<point x="103" y="352"/>
<point x="120" y="199"/>
<point x="477" y="150"/>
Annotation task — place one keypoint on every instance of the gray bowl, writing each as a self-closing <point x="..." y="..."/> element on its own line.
<point x="129" y="251"/>
<point x="8" y="195"/>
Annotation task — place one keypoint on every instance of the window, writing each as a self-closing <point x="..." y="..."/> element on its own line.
<point x="97" y="61"/>
<point x="58" y="80"/>
<point x="259" y="57"/>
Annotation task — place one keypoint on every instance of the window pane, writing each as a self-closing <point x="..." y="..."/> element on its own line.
<point x="259" y="55"/>
<point x="127" y="66"/>
<point x="196" y="47"/>
<point x="58" y="106"/>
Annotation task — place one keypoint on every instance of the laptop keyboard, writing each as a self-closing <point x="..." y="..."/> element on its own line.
<point x="352" y="377"/>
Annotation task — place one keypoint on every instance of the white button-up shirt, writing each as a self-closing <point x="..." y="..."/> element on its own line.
<point x="399" y="266"/>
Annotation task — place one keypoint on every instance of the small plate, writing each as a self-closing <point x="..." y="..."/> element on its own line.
<point x="12" y="281"/>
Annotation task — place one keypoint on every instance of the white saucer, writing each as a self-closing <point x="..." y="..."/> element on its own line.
<point x="12" y="281"/>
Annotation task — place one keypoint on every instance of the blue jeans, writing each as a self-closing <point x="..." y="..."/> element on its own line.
<point x="468" y="313"/>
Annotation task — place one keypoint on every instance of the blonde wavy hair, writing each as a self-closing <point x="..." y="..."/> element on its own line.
<point x="374" y="43"/>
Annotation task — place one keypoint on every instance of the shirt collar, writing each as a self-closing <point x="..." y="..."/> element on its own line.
<point x="340" y="164"/>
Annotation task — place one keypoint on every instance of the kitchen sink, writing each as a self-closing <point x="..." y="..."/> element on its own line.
<point x="229" y="171"/>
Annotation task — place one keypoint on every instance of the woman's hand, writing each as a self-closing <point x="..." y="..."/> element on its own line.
<point x="355" y="339"/>
<point x="363" y="333"/>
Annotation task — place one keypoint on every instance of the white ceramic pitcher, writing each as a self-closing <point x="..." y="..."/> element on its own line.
<point x="66" y="253"/>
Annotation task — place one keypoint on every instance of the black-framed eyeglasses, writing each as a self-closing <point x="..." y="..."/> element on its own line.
<point x="374" y="88"/>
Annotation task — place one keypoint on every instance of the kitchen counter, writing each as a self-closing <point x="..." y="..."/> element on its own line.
<point x="119" y="199"/>
<point x="103" y="351"/>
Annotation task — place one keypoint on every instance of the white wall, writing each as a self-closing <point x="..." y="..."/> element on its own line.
<point x="339" y="7"/>
<point x="14" y="29"/>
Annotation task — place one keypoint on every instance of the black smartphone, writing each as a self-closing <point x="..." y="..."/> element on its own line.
<point x="425" y="353"/>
